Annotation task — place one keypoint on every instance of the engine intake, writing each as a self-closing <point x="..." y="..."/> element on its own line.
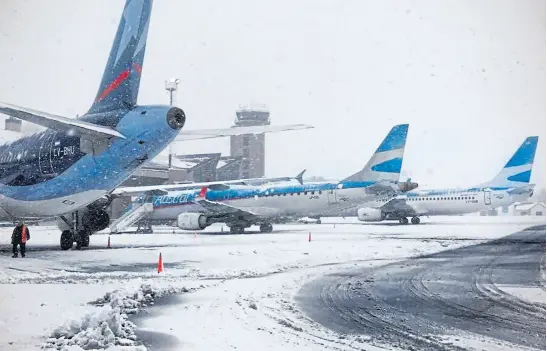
<point x="192" y="221"/>
<point x="367" y="214"/>
<point x="96" y="220"/>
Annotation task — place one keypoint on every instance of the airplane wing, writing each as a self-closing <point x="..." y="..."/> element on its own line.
<point x="400" y="207"/>
<point x="163" y="188"/>
<point x="218" y="133"/>
<point x="219" y="209"/>
<point x="60" y="123"/>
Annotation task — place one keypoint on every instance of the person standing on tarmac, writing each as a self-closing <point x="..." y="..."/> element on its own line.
<point x="20" y="236"/>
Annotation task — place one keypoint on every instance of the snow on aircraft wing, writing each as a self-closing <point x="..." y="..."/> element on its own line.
<point x="138" y="190"/>
<point x="399" y="206"/>
<point x="218" y="133"/>
<point x="218" y="209"/>
<point x="60" y="123"/>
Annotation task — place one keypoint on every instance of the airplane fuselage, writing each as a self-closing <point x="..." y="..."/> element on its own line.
<point x="293" y="201"/>
<point x="455" y="201"/>
<point x="48" y="174"/>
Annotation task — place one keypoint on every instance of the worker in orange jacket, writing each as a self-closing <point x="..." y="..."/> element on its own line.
<point x="20" y="236"/>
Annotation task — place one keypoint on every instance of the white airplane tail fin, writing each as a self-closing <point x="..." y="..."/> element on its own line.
<point x="518" y="170"/>
<point x="387" y="161"/>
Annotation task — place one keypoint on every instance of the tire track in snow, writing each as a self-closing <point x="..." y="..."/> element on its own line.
<point x="448" y="292"/>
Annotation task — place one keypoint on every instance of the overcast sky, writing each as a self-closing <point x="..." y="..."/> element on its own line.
<point x="468" y="75"/>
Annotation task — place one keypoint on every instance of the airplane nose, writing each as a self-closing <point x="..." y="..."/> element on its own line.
<point x="176" y="118"/>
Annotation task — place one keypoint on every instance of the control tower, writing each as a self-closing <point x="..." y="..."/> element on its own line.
<point x="251" y="147"/>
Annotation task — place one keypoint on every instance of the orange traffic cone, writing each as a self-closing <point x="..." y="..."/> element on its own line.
<point x="160" y="264"/>
<point x="108" y="245"/>
<point x="309" y="236"/>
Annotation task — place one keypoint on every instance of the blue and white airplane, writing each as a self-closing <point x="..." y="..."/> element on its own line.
<point x="240" y="206"/>
<point x="512" y="184"/>
<point x="69" y="170"/>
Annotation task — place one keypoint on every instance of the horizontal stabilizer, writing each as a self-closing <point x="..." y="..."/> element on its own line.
<point x="44" y="119"/>
<point x="218" y="133"/>
<point x="526" y="189"/>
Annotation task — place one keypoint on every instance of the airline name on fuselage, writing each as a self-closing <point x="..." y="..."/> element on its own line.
<point x="172" y="200"/>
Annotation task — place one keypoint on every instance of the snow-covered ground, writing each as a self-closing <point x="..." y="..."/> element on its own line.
<point x="216" y="292"/>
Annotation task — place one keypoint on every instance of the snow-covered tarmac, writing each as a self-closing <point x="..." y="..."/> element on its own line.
<point x="217" y="292"/>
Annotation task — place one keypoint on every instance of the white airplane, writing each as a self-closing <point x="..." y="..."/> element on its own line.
<point x="69" y="170"/>
<point x="240" y="206"/>
<point x="144" y="221"/>
<point x="512" y="184"/>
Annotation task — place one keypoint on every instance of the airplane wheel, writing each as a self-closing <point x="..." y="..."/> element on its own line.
<point x="318" y="221"/>
<point x="85" y="239"/>
<point x="403" y="220"/>
<point x="67" y="240"/>
<point x="266" y="228"/>
<point x="415" y="220"/>
<point x="237" y="230"/>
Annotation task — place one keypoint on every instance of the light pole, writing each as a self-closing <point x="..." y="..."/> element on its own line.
<point x="171" y="86"/>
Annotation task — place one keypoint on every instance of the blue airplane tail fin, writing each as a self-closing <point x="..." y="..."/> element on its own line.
<point x="387" y="161"/>
<point x="518" y="170"/>
<point x="120" y="83"/>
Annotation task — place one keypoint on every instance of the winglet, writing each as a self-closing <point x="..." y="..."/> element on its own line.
<point x="300" y="178"/>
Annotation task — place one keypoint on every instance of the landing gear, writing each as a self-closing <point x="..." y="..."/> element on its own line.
<point x="82" y="239"/>
<point x="266" y="228"/>
<point x="84" y="223"/>
<point x="237" y="229"/>
<point x="403" y="220"/>
<point x="67" y="240"/>
<point x="318" y="221"/>
<point x="415" y="220"/>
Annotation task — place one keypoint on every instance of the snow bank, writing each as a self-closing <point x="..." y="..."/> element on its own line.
<point x="109" y="327"/>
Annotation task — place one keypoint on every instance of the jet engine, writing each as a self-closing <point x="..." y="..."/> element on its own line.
<point x="96" y="220"/>
<point x="192" y="221"/>
<point x="367" y="214"/>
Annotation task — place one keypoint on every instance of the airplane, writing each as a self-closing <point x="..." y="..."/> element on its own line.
<point x="163" y="189"/>
<point x="511" y="184"/>
<point x="142" y="193"/>
<point x="240" y="206"/>
<point x="68" y="170"/>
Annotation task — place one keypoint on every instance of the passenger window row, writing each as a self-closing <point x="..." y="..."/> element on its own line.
<point x="437" y="198"/>
<point x="291" y="194"/>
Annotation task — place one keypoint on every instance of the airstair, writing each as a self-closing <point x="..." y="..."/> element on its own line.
<point x="137" y="212"/>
